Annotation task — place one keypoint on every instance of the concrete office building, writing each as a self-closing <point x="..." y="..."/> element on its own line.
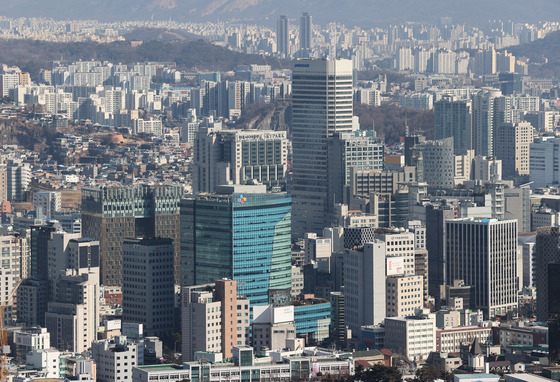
<point x="399" y="244"/>
<point x="364" y="286"/>
<point x="312" y="127"/>
<point x="112" y="213"/>
<point x="402" y="335"/>
<point x="453" y="119"/>
<point x="484" y="121"/>
<point x="512" y="142"/>
<point x="239" y="156"/>
<point x="114" y="359"/>
<point x="272" y="327"/>
<point x="360" y="150"/>
<point x="319" y="250"/>
<point x="547" y="251"/>
<point x="46" y="204"/>
<point x="242" y="233"/>
<point x="148" y="286"/>
<point x="438" y="162"/>
<point x="73" y="316"/>
<point x="544" y="163"/>
<point x="405" y="294"/>
<point x="483" y="253"/>
<point x="206" y="314"/>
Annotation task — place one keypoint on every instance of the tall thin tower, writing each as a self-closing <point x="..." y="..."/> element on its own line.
<point x="283" y="36"/>
<point x="322" y="105"/>
<point x="305" y="32"/>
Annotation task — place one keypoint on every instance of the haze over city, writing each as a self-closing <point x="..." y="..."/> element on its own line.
<point x="280" y="191"/>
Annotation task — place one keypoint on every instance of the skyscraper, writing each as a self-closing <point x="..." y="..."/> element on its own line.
<point x="148" y="284"/>
<point x="483" y="253"/>
<point x="484" y="120"/>
<point x="283" y="36"/>
<point x="364" y="285"/>
<point x="305" y="32"/>
<point x="436" y="217"/>
<point x="322" y="106"/>
<point x="112" y="213"/>
<point x="453" y="119"/>
<point x="242" y="233"/>
<point x="512" y="142"/>
<point x="547" y="252"/>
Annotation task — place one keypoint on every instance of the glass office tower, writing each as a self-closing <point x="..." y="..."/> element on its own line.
<point x="239" y="232"/>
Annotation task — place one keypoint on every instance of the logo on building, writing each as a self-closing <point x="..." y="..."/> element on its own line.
<point x="242" y="199"/>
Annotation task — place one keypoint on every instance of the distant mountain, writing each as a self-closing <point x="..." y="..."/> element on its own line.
<point x="350" y="12"/>
<point x="543" y="55"/>
<point x="33" y="55"/>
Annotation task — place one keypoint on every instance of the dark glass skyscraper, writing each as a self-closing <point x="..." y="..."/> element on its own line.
<point x="242" y="233"/>
<point x="283" y="36"/>
<point x="111" y="214"/>
<point x="305" y="32"/>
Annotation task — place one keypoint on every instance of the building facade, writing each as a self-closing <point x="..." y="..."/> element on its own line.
<point x="242" y="233"/>
<point x="111" y="213"/>
<point x="483" y="253"/>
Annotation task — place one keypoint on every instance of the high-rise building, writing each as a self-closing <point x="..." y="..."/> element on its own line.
<point x="438" y="162"/>
<point x="453" y="119"/>
<point x="239" y="156"/>
<point x="322" y="105"/>
<point x="148" y="286"/>
<point x="544" y="162"/>
<point x="364" y="286"/>
<point x="436" y="216"/>
<point x="484" y="121"/>
<point x="553" y="318"/>
<point x="73" y="315"/>
<point x="305" y="33"/>
<point x="112" y="213"/>
<point x="405" y="294"/>
<point x="213" y="306"/>
<point x="283" y="37"/>
<point x="338" y="330"/>
<point x="242" y="233"/>
<point x="547" y="252"/>
<point x="512" y="143"/>
<point x="46" y="204"/>
<point x="483" y="253"/>
<point x="361" y="150"/>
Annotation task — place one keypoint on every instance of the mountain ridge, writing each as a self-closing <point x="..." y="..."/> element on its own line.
<point x="350" y="12"/>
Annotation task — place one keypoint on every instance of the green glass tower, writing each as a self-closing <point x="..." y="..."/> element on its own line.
<point x="239" y="232"/>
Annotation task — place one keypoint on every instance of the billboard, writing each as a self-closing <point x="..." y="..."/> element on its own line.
<point x="395" y="266"/>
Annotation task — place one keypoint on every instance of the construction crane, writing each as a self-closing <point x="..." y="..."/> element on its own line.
<point x="5" y="350"/>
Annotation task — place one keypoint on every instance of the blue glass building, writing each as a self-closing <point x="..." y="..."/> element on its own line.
<point x="312" y="318"/>
<point x="240" y="232"/>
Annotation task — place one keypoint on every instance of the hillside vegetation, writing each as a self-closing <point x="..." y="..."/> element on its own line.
<point x="32" y="55"/>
